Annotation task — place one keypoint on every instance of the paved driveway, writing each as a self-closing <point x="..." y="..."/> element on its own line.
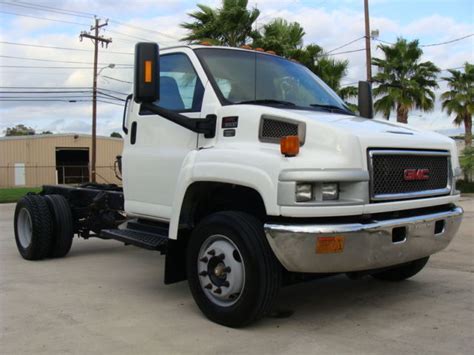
<point x="105" y="298"/>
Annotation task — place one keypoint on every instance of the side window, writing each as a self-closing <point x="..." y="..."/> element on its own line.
<point x="180" y="87"/>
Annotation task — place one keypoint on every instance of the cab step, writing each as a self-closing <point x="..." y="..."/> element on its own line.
<point x="138" y="238"/>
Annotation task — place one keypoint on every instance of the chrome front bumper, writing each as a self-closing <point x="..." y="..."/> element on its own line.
<point x="366" y="246"/>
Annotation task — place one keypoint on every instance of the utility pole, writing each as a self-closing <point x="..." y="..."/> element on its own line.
<point x="96" y="39"/>
<point x="367" y="42"/>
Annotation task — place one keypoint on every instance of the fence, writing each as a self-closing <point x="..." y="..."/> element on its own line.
<point x="34" y="175"/>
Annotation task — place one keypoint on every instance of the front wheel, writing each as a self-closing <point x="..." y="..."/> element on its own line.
<point x="402" y="272"/>
<point x="232" y="272"/>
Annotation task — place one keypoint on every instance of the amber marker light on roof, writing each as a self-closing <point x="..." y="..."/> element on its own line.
<point x="290" y="146"/>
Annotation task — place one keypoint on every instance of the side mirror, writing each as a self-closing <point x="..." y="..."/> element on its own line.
<point x="146" y="81"/>
<point x="366" y="105"/>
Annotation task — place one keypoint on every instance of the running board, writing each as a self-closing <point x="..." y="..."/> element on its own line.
<point x="141" y="239"/>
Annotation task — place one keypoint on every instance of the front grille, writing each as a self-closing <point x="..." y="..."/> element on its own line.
<point x="388" y="169"/>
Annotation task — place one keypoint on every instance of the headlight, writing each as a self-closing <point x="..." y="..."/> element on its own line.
<point x="330" y="191"/>
<point x="304" y="192"/>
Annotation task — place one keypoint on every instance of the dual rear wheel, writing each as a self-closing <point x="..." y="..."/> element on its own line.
<point x="43" y="227"/>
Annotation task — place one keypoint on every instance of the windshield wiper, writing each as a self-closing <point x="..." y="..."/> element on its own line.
<point x="332" y="108"/>
<point x="267" y="101"/>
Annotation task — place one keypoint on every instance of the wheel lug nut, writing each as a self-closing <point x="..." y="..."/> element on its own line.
<point x="227" y="269"/>
<point x="204" y="260"/>
<point x="212" y="252"/>
<point x="203" y="273"/>
<point x="220" y="256"/>
<point x="226" y="284"/>
<point x="218" y="291"/>
<point x="208" y="286"/>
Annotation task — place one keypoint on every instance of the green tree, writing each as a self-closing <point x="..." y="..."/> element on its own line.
<point x="404" y="82"/>
<point x="230" y="25"/>
<point x="467" y="162"/>
<point x="281" y="36"/>
<point x="115" y="135"/>
<point x="19" y="130"/>
<point x="459" y="100"/>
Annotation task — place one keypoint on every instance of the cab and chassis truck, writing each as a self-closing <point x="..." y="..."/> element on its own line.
<point x="249" y="173"/>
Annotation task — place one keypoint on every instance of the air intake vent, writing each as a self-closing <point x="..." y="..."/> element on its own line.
<point x="272" y="129"/>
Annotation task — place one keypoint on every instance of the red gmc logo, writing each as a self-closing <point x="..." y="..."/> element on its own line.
<point x="416" y="174"/>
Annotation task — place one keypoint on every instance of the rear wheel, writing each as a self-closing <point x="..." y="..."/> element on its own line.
<point x="33" y="227"/>
<point x="63" y="228"/>
<point x="232" y="272"/>
<point x="402" y="272"/>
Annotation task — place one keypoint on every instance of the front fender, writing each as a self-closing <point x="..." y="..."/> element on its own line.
<point x="256" y="170"/>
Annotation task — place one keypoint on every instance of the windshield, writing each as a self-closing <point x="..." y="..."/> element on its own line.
<point x="246" y="77"/>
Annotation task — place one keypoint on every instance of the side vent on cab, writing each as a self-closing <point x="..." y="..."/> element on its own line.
<point x="273" y="128"/>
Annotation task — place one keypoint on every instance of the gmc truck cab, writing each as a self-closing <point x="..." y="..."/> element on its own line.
<point x="248" y="172"/>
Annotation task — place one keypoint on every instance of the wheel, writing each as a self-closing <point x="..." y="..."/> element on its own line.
<point x="33" y="227"/>
<point x="233" y="274"/>
<point x="63" y="225"/>
<point x="402" y="272"/>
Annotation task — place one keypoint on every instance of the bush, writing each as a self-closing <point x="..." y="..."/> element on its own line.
<point x="465" y="186"/>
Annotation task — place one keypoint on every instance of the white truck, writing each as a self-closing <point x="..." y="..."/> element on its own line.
<point x="249" y="173"/>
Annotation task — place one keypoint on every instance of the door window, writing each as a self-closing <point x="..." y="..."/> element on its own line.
<point x="180" y="87"/>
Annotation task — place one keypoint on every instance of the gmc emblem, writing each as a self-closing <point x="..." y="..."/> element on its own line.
<point x="416" y="174"/>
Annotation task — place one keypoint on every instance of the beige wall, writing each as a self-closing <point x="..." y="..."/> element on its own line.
<point x="38" y="153"/>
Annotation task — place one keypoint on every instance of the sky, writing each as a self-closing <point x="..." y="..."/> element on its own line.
<point x="328" y="23"/>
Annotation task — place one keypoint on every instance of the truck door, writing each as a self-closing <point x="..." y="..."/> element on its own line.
<point x="155" y="147"/>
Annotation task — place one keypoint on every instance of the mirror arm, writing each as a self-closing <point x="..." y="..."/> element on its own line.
<point x="207" y="125"/>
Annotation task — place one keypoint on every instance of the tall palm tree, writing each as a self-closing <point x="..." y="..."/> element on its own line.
<point x="281" y="36"/>
<point x="230" y="25"/>
<point x="404" y="82"/>
<point x="459" y="100"/>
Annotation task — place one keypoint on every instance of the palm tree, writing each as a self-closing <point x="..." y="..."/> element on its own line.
<point x="404" y="83"/>
<point x="281" y="36"/>
<point x="330" y="70"/>
<point x="459" y="100"/>
<point x="230" y="25"/>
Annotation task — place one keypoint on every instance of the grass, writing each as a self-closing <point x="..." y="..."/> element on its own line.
<point x="14" y="194"/>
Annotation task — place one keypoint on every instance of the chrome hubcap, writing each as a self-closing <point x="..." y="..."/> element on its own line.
<point x="221" y="270"/>
<point x="25" y="228"/>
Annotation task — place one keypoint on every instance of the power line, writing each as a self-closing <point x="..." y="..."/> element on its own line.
<point x="56" y="8"/>
<point x="345" y="45"/>
<point x="352" y="51"/>
<point x="45" y="8"/>
<point x="447" y="42"/>
<point x="58" y="61"/>
<point x="43" y="18"/>
<point x="143" y="29"/>
<point x="51" y="67"/>
<point x="431" y="44"/>
<point x="111" y="78"/>
<point x="61" y="48"/>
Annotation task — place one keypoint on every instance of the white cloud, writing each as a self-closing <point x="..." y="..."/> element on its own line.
<point x="323" y="25"/>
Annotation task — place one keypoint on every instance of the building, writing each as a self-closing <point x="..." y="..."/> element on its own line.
<point x="56" y="159"/>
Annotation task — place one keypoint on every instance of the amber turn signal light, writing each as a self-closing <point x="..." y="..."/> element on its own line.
<point x="290" y="146"/>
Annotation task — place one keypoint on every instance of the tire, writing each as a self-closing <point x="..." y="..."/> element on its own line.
<point x="240" y="238"/>
<point x="33" y="227"/>
<point x="402" y="272"/>
<point x="63" y="225"/>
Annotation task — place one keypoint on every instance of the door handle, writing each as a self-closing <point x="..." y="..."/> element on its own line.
<point x="133" y="133"/>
